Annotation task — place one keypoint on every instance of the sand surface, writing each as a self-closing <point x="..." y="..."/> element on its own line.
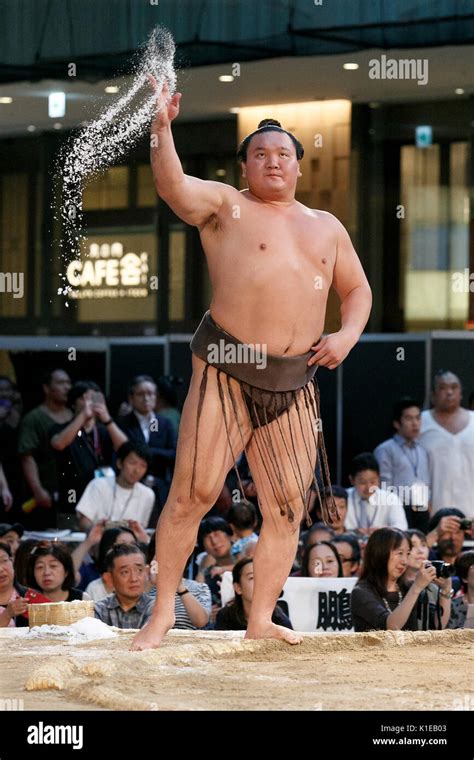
<point x="209" y="670"/>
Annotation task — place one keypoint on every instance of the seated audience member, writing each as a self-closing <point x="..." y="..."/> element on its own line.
<point x="465" y="597"/>
<point x="51" y="571"/>
<point x="340" y="497"/>
<point x="347" y="546"/>
<point x="379" y="601"/>
<point x="86" y="556"/>
<point x="22" y="557"/>
<point x="167" y="402"/>
<point x="318" y="532"/>
<point x="446" y="535"/>
<point x="242" y="518"/>
<point x="12" y="604"/>
<point x="122" y="497"/>
<point x="11" y="535"/>
<point x="434" y="603"/>
<point x="193" y="603"/>
<point x="215" y="536"/>
<point x="321" y="560"/>
<point x="234" y="616"/>
<point x="99" y="588"/>
<point x="405" y="464"/>
<point x="128" y="606"/>
<point x="370" y="507"/>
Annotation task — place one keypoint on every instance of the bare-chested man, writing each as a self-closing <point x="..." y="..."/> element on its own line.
<point x="271" y="262"/>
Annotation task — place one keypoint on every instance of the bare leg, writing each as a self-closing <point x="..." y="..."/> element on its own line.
<point x="179" y="522"/>
<point x="278" y="541"/>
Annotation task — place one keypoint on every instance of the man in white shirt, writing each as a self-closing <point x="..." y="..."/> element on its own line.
<point x="447" y="432"/>
<point x="369" y="507"/>
<point x="122" y="497"/>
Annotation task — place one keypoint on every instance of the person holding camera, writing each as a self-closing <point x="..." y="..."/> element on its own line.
<point x="381" y="600"/>
<point x="434" y="603"/>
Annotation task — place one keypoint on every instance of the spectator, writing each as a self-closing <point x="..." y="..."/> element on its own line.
<point x="379" y="601"/>
<point x="12" y="604"/>
<point x="319" y="531"/>
<point x="144" y="425"/>
<point x="434" y="603"/>
<point x="369" y="507"/>
<point x="321" y="560"/>
<point x="123" y="497"/>
<point x="98" y="541"/>
<point x="405" y="465"/>
<point x="447" y="432"/>
<point x="446" y="535"/>
<point x="215" y="535"/>
<point x="193" y="603"/>
<point x="6" y="496"/>
<point x="234" y="616"/>
<point x="242" y="518"/>
<point x="459" y="605"/>
<point x="84" y="446"/>
<point x="340" y="498"/>
<point x="11" y="535"/>
<point x="22" y="557"/>
<point x="347" y="546"/>
<point x="37" y="457"/>
<point x="51" y="571"/>
<point x="128" y="606"/>
<point x="167" y="402"/>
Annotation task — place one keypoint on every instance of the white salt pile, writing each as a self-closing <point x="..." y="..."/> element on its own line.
<point x="106" y="139"/>
<point x="86" y="629"/>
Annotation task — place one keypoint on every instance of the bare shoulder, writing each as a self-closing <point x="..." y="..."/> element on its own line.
<point x="328" y="220"/>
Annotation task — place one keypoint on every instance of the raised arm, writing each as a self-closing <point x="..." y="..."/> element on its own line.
<point x="193" y="200"/>
<point x="352" y="287"/>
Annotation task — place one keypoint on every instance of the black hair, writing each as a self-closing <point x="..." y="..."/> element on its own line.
<point x="167" y="391"/>
<point x="6" y="548"/>
<point x="22" y="557"/>
<point x="236" y="605"/>
<point x="137" y="380"/>
<point x="399" y="407"/>
<point x="444" y="512"/>
<point x="58" y="551"/>
<point x="268" y="125"/>
<point x="337" y="491"/>
<point x="463" y="562"/>
<point x="134" y="447"/>
<point x="318" y="526"/>
<point x="242" y="515"/>
<point x="46" y="377"/>
<point x="415" y="532"/>
<point x="309" y="549"/>
<point x="364" y="461"/>
<point x="210" y="524"/>
<point x="376" y="557"/>
<point x="78" y="390"/>
<point x="109" y="537"/>
<point x="121" y="550"/>
<point x="349" y="538"/>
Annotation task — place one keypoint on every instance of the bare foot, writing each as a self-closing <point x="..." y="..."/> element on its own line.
<point x="152" y="634"/>
<point x="273" y="631"/>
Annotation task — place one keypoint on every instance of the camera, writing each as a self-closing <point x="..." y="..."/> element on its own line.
<point x="443" y="569"/>
<point x="466" y="524"/>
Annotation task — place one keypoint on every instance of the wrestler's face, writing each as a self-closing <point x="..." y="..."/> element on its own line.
<point x="365" y="482"/>
<point x="217" y="544"/>
<point x="447" y="394"/>
<point x="271" y="168"/>
<point x="410" y="423"/>
<point x="418" y="554"/>
<point x="322" y="563"/>
<point x="245" y="587"/>
<point x="143" y="398"/>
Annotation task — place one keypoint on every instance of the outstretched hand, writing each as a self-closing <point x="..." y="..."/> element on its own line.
<point x="167" y="107"/>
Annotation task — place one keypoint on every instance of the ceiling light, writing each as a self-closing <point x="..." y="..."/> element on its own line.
<point x="31" y="128"/>
<point x="112" y="89"/>
<point x="234" y="110"/>
<point x="350" y="66"/>
<point x="459" y="91"/>
<point x="226" y="78"/>
<point x="57" y="125"/>
<point x="56" y="105"/>
<point x="6" y="100"/>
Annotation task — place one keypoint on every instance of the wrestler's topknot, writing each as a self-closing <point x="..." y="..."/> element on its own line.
<point x="268" y="125"/>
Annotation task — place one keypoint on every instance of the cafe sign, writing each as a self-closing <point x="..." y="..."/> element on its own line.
<point x="109" y="271"/>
